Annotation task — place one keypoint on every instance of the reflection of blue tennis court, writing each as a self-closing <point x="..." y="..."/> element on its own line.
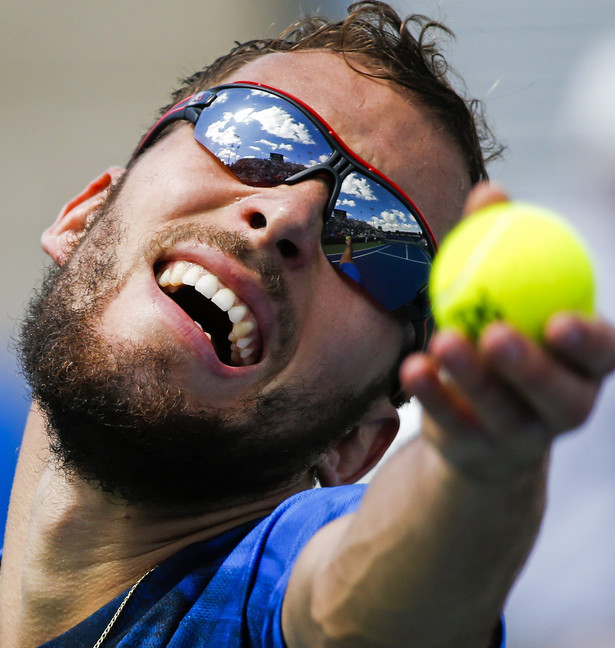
<point x="391" y="270"/>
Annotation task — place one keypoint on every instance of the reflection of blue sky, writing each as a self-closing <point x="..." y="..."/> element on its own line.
<point x="273" y="127"/>
<point x="372" y="203"/>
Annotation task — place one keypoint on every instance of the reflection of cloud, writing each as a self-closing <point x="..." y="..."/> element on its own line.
<point x="225" y="154"/>
<point x="278" y="122"/>
<point x="271" y="145"/>
<point x="244" y="116"/>
<point x="347" y="203"/>
<point x="221" y="133"/>
<point x="393" y="216"/>
<point x="320" y="160"/>
<point x="357" y="186"/>
<point x="274" y="146"/>
<point x="394" y="220"/>
<point x="273" y="120"/>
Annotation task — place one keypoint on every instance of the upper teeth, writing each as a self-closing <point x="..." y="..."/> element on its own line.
<point x="243" y="335"/>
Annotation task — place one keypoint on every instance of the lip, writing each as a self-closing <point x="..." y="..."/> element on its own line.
<point x="235" y="276"/>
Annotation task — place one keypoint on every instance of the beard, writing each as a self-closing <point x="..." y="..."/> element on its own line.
<point x="116" y="420"/>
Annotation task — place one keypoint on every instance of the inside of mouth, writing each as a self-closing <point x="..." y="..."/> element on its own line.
<point x="211" y="319"/>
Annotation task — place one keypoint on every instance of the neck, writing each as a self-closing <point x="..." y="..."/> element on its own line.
<point x="64" y="536"/>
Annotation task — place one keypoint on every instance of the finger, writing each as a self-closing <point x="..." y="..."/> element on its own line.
<point x="561" y="396"/>
<point x="482" y="195"/>
<point x="500" y="409"/>
<point x="421" y="376"/>
<point x="588" y="344"/>
<point x="455" y="424"/>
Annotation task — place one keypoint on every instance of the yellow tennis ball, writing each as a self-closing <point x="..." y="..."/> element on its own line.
<point x="514" y="262"/>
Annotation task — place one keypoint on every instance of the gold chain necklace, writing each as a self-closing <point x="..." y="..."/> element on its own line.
<point x="114" y="618"/>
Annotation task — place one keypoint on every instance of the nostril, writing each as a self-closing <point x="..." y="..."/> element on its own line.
<point x="258" y="221"/>
<point x="287" y="249"/>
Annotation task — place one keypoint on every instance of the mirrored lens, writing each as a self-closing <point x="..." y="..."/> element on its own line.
<point x="260" y="137"/>
<point x="388" y="247"/>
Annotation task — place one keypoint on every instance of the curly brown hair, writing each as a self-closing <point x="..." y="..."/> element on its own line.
<point x="374" y="35"/>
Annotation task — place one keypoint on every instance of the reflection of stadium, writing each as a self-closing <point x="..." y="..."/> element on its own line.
<point x="264" y="172"/>
<point x="339" y="226"/>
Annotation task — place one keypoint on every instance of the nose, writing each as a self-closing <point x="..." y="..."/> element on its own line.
<point x="287" y="220"/>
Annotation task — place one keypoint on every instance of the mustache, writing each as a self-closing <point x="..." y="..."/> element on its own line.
<point x="231" y="243"/>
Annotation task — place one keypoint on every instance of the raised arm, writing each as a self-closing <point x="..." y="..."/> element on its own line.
<point x="447" y="523"/>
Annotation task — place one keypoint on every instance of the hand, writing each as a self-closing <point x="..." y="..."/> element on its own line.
<point x="494" y="408"/>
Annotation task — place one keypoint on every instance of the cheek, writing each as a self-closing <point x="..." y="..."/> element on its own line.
<point x="131" y="315"/>
<point x="345" y="340"/>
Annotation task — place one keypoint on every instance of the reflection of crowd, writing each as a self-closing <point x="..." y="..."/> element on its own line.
<point x="258" y="171"/>
<point x="339" y="226"/>
<point x="408" y="237"/>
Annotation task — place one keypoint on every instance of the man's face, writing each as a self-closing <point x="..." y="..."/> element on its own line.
<point x="178" y="185"/>
<point x="317" y="348"/>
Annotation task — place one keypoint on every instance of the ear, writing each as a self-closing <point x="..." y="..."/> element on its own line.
<point x="58" y="240"/>
<point x="358" y="452"/>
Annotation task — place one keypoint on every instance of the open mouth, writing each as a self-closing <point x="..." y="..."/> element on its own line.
<point x="224" y="318"/>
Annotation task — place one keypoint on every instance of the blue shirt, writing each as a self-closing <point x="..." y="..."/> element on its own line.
<point x="226" y="592"/>
<point x="223" y="593"/>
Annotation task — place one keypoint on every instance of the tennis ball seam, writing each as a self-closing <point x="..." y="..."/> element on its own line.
<point x="473" y="265"/>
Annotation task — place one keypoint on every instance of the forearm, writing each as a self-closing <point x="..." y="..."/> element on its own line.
<point x="429" y="557"/>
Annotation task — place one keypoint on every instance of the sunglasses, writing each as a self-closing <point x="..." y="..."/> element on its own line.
<point x="372" y="231"/>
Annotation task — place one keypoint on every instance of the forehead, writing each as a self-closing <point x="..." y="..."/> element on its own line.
<point x="381" y="122"/>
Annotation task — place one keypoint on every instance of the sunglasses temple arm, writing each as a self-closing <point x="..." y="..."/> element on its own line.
<point x="187" y="113"/>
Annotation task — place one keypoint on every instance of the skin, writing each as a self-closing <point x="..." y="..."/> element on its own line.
<point x="474" y="479"/>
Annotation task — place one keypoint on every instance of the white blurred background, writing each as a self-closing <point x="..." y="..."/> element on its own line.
<point x="80" y="81"/>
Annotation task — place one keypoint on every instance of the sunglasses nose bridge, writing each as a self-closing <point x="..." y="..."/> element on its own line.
<point x="335" y="169"/>
<point x="340" y="166"/>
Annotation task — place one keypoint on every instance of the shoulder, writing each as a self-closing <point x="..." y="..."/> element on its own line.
<point x="271" y="550"/>
<point x="282" y="535"/>
<point x="313" y="508"/>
